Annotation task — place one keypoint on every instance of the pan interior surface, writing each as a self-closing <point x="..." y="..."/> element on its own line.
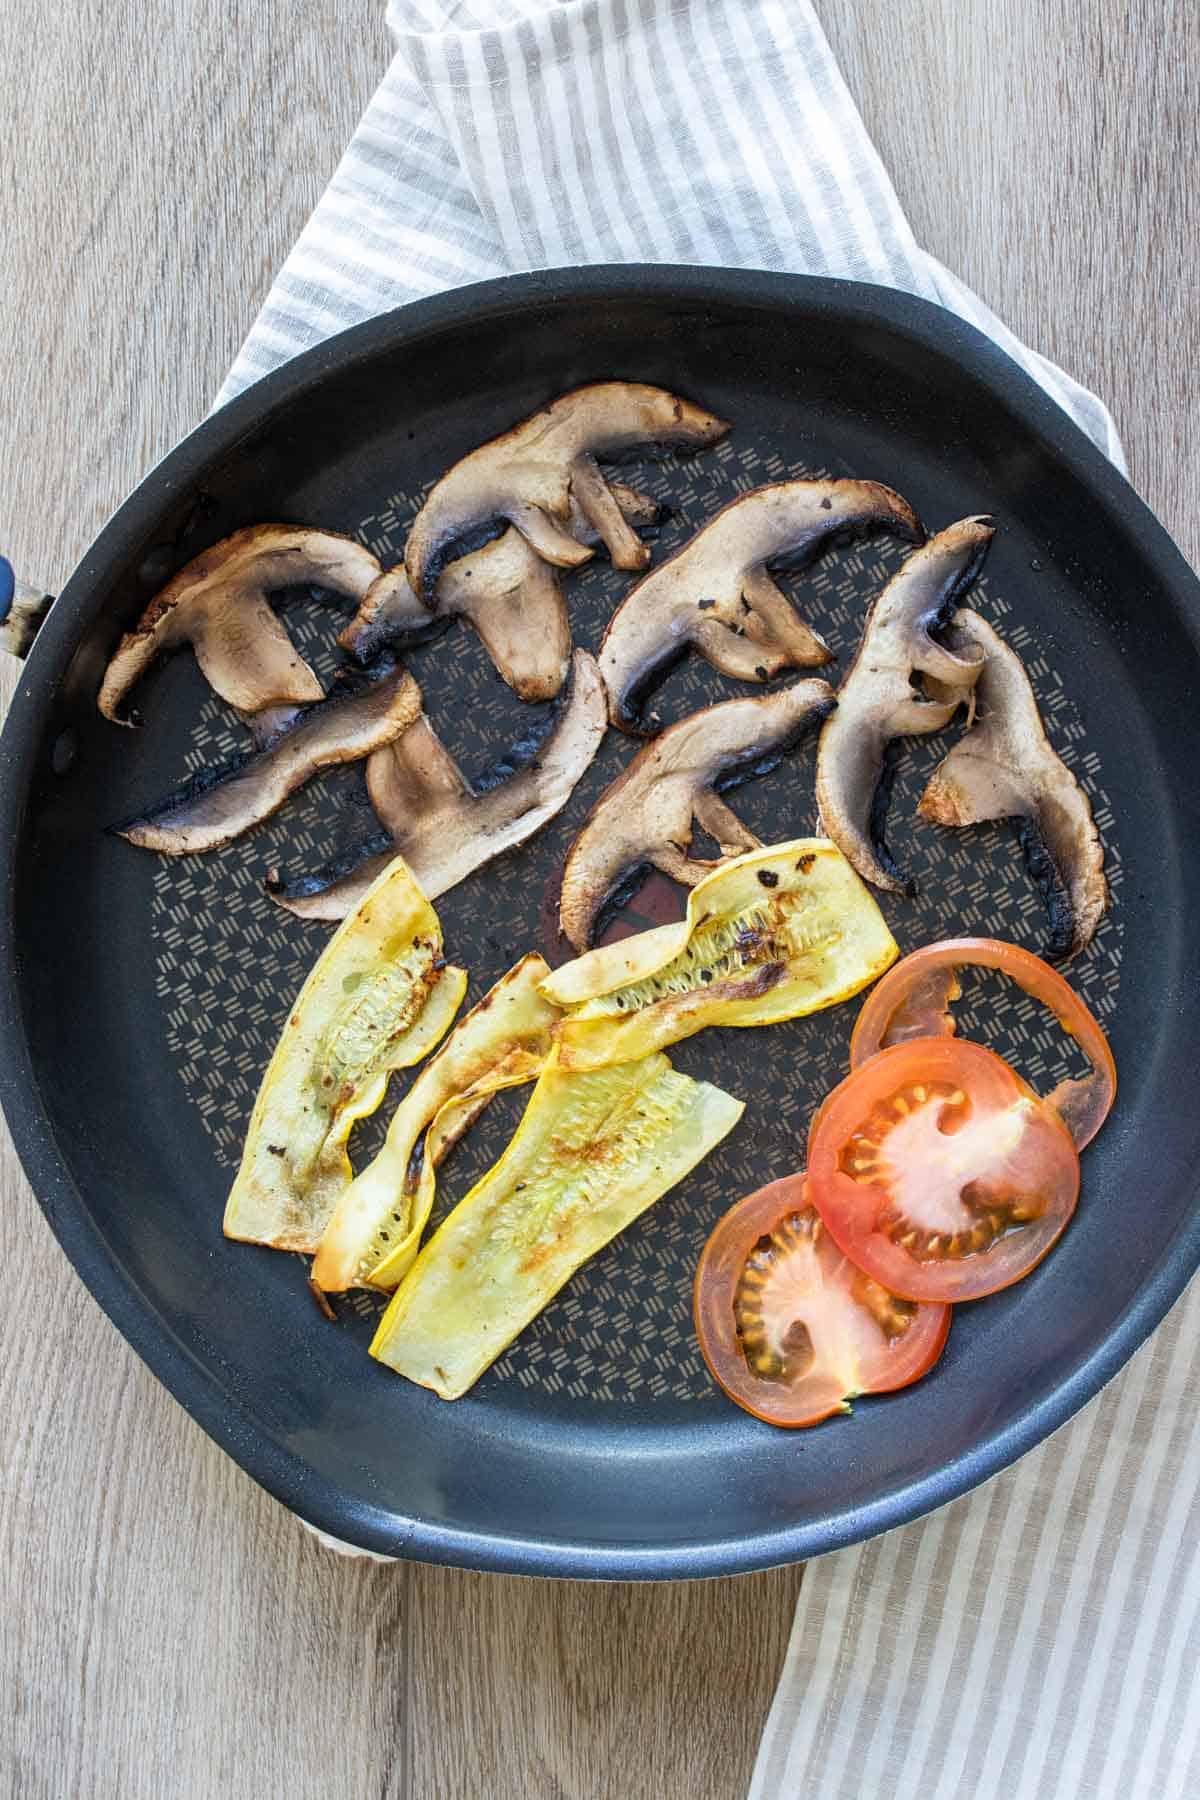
<point x="148" y="993"/>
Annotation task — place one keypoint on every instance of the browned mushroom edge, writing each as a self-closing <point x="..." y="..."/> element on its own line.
<point x="505" y="591"/>
<point x="645" y="818"/>
<point x="363" y="712"/>
<point x="219" y="604"/>
<point x="1005" y="768"/>
<point x="716" y="596"/>
<point x="446" y="826"/>
<point x="902" y="683"/>
<point x="529" y="475"/>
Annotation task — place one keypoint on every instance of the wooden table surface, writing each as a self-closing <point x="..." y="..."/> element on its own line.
<point x="165" y="1628"/>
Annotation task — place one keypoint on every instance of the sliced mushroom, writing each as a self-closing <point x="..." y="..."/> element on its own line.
<point x="880" y="698"/>
<point x="715" y="595"/>
<point x="358" y="718"/>
<point x="644" y="819"/>
<point x="505" y="590"/>
<point x="1005" y="768"/>
<point x="442" y="825"/>
<point x="530" y="474"/>
<point x="218" y="604"/>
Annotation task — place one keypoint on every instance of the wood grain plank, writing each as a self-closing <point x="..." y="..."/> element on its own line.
<point x="1047" y="155"/>
<point x="160" y="163"/>
<point x="164" y="1627"/>
<point x="568" y="1691"/>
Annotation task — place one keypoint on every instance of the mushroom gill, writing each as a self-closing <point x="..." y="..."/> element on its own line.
<point x="716" y="595"/>
<point x="359" y="717"/>
<point x="443" y="825"/>
<point x="529" y="476"/>
<point x="218" y="603"/>
<point x="880" y="698"/>
<point x="644" y="819"/>
<point x="1005" y="768"/>
<point x="505" y="590"/>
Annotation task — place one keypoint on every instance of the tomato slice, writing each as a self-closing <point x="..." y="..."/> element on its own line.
<point x="913" y="1001"/>
<point x="788" y="1327"/>
<point x="939" y="1172"/>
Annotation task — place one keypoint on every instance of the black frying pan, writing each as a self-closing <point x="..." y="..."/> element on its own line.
<point x="139" y="999"/>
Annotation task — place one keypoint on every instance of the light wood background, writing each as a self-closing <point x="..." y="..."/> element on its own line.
<point x="165" y="1629"/>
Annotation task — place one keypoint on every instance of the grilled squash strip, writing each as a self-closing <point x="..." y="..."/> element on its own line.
<point x="376" y="1226"/>
<point x="379" y="998"/>
<point x="591" y="1153"/>
<point x="772" y="935"/>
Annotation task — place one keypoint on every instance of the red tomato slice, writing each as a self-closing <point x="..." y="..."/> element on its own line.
<point x="939" y="1172"/>
<point x="788" y="1327"/>
<point x="913" y="1001"/>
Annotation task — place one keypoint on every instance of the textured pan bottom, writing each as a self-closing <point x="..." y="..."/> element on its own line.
<point x="227" y="961"/>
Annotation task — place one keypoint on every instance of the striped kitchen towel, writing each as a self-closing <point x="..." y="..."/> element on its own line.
<point x="1037" y="1640"/>
<point x="525" y="134"/>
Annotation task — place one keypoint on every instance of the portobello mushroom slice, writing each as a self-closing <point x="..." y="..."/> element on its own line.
<point x="529" y="476"/>
<point x="1005" y="768"/>
<point x="902" y="683"/>
<point x="218" y="604"/>
<point x="716" y="595"/>
<point x="357" y="719"/>
<point x="444" y="826"/>
<point x="505" y="591"/>
<point x="644" y="819"/>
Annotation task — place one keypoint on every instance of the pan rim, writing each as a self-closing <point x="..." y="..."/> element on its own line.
<point x="287" y="1476"/>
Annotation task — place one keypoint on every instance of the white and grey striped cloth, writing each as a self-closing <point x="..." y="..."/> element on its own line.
<point x="1039" y="1639"/>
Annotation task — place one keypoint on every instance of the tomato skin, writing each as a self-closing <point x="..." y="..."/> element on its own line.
<point x="887" y="1365"/>
<point x="913" y="1000"/>
<point x="974" y="1245"/>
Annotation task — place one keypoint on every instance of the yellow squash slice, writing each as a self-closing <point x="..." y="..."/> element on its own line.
<point x="376" y="1227"/>
<point x="379" y="998"/>
<point x="453" y="1120"/>
<point x="771" y="935"/>
<point x="592" y="1152"/>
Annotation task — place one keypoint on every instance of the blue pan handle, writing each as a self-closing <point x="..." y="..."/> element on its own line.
<point x="22" y="609"/>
